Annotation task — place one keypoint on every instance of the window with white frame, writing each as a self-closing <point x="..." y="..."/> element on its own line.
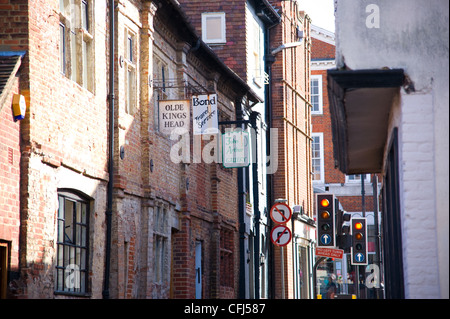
<point x="257" y="54"/>
<point x="316" y="94"/>
<point x="214" y="28"/>
<point x="317" y="157"/>
<point x="357" y="178"/>
<point x="76" y="41"/>
<point x="130" y="62"/>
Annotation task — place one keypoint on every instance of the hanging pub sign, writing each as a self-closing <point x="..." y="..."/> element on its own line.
<point x="173" y="114"/>
<point x="204" y="114"/>
<point x="235" y="149"/>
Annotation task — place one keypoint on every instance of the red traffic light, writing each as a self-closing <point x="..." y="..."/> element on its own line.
<point x="358" y="226"/>
<point x="324" y="202"/>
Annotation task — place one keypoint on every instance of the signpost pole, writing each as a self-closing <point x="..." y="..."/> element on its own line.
<point x="282" y="272"/>
<point x="280" y="214"/>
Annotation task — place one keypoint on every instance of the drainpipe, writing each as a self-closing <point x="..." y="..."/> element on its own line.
<point x="257" y="243"/>
<point x="241" y="201"/>
<point x="105" y="292"/>
<point x="270" y="59"/>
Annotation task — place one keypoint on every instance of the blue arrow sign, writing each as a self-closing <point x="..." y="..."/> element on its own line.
<point x="359" y="257"/>
<point x="325" y="239"/>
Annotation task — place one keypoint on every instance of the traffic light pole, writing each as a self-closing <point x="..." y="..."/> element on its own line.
<point x="358" y="294"/>
<point x="315" y="275"/>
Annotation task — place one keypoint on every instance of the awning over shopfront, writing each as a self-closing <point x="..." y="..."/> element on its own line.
<point x="360" y="104"/>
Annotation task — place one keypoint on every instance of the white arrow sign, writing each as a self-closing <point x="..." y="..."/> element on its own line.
<point x="325" y="239"/>
<point x="359" y="257"/>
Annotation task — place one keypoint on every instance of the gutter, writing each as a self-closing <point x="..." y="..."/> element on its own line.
<point x="111" y="97"/>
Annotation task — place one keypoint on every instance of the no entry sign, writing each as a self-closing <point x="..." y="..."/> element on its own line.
<point x="280" y="213"/>
<point x="281" y="235"/>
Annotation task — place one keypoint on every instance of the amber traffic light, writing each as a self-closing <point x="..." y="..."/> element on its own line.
<point x="359" y="241"/>
<point x="325" y="212"/>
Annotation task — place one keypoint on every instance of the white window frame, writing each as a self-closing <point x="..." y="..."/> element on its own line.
<point x="222" y="39"/>
<point x="318" y="77"/>
<point x="322" y="163"/>
<point x="130" y="63"/>
<point x="77" y="42"/>
<point x="348" y="180"/>
<point x="257" y="54"/>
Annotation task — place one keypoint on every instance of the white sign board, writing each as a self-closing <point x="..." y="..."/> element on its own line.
<point x="173" y="114"/>
<point x="235" y="146"/>
<point x="204" y="114"/>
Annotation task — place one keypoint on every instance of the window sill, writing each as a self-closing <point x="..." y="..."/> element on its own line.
<point x="72" y="294"/>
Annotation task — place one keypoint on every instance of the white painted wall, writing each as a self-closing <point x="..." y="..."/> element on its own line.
<point x="413" y="35"/>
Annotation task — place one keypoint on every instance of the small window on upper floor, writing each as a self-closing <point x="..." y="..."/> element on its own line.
<point x="214" y="28"/>
<point x="316" y="94"/>
<point x="130" y="63"/>
<point x="76" y="49"/>
<point x="357" y="178"/>
<point x="318" y="166"/>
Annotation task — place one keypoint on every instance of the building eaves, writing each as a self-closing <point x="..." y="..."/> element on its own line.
<point x="360" y="104"/>
<point x="180" y="17"/>
<point x="10" y="62"/>
<point x="323" y="35"/>
<point x="267" y="12"/>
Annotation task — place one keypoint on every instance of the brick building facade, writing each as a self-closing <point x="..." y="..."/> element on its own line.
<point x="286" y="103"/>
<point x="172" y="224"/>
<point x="10" y="157"/>
<point x="290" y="44"/>
<point x="243" y="47"/>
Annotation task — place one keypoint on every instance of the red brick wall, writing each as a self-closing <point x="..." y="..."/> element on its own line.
<point x="322" y="123"/>
<point x="13" y="37"/>
<point x="232" y="52"/>
<point x="322" y="50"/>
<point x="10" y="178"/>
<point x="64" y="129"/>
<point x="291" y="114"/>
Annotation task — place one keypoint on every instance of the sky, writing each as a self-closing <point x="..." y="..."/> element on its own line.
<point x="320" y="11"/>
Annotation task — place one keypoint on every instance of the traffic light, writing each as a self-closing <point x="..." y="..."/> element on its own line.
<point x="359" y="241"/>
<point x="325" y="220"/>
<point x="343" y="234"/>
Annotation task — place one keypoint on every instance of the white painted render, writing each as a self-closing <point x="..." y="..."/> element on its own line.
<point x="412" y="35"/>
